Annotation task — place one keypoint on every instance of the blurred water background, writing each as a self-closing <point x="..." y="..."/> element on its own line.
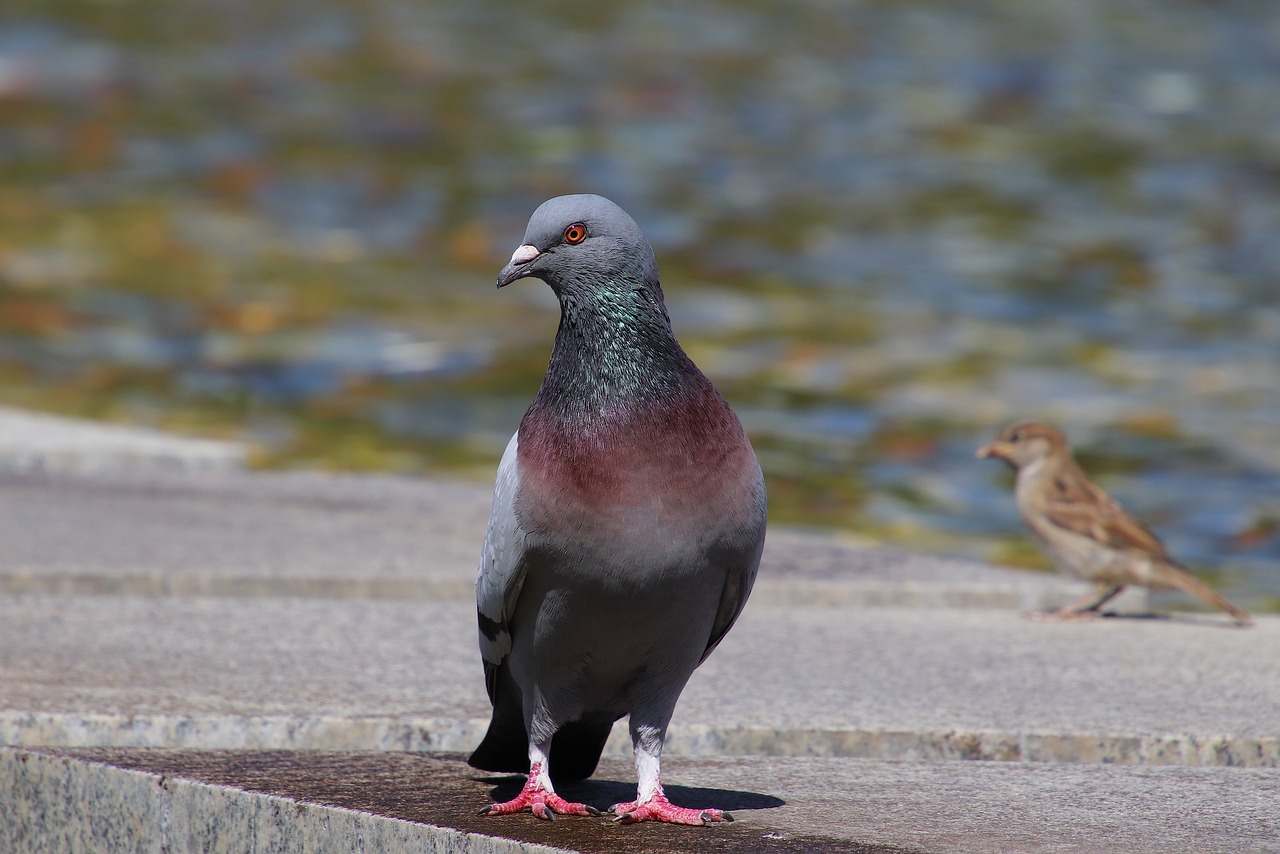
<point x="885" y="230"/>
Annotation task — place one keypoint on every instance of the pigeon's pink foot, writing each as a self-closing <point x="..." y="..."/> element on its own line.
<point x="658" y="808"/>
<point x="540" y="801"/>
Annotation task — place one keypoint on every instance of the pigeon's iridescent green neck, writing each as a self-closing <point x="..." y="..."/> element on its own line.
<point x="614" y="351"/>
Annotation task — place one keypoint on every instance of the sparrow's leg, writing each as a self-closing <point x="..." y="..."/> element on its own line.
<point x="538" y="797"/>
<point x="651" y="803"/>
<point x="1084" y="608"/>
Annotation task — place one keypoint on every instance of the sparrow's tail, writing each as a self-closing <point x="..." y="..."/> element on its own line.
<point x="1176" y="576"/>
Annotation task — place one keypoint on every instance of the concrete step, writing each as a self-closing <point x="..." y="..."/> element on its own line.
<point x="341" y="536"/>
<point x="882" y="682"/>
<point x="130" y="800"/>
<point x="33" y="441"/>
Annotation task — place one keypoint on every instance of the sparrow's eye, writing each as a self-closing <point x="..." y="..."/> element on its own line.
<point x="1015" y="436"/>
<point x="575" y="234"/>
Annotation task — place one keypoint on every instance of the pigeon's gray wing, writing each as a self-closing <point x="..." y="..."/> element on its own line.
<point x="501" y="568"/>
<point x="740" y="562"/>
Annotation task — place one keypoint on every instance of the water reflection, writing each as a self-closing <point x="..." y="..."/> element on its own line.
<point x="885" y="229"/>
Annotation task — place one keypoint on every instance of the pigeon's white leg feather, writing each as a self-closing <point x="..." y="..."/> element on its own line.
<point x="648" y="760"/>
<point x="538" y="795"/>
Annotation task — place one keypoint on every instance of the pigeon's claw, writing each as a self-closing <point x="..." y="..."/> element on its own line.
<point x="658" y="808"/>
<point x="540" y="801"/>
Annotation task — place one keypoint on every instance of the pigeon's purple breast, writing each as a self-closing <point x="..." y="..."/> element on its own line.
<point x="674" y="473"/>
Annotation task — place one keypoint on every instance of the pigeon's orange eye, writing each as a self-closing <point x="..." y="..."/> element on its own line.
<point x="575" y="233"/>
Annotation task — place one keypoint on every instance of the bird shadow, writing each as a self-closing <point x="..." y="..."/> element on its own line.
<point x="603" y="794"/>
<point x="1207" y="621"/>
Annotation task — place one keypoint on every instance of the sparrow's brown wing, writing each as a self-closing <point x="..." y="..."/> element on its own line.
<point x="1079" y="506"/>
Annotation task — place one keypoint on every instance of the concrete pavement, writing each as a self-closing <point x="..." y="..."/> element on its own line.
<point x="883" y="682"/>
<point x="208" y="609"/>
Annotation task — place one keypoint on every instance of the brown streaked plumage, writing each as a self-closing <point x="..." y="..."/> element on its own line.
<point x="1083" y="530"/>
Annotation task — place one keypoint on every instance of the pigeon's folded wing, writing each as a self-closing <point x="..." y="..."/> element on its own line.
<point x="740" y="563"/>
<point x="502" y="568"/>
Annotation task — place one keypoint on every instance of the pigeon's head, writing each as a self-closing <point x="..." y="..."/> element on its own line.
<point x="1025" y="443"/>
<point x="582" y="241"/>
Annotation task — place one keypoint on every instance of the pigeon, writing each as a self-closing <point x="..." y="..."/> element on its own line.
<point x="1085" y="532"/>
<point x="627" y="525"/>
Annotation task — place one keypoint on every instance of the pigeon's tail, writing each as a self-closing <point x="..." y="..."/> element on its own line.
<point x="506" y="745"/>
<point x="504" y="748"/>
<point x="575" y="750"/>
<point x="1180" y="578"/>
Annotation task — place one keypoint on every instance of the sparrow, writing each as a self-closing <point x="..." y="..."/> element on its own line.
<point x="627" y="525"/>
<point x="1083" y="530"/>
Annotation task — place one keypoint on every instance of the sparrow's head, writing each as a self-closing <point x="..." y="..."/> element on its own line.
<point x="1025" y="443"/>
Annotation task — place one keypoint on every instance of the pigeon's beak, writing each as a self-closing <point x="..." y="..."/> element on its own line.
<point x="518" y="266"/>
<point x="993" y="449"/>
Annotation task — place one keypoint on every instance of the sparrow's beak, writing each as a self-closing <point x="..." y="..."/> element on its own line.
<point x="993" y="449"/>
<point x="518" y="266"/>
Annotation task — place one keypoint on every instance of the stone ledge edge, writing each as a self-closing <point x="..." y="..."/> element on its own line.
<point x="227" y="732"/>
<point x="1029" y="595"/>
<point x="58" y="803"/>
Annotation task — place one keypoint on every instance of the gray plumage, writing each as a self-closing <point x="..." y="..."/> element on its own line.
<point x="627" y="523"/>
